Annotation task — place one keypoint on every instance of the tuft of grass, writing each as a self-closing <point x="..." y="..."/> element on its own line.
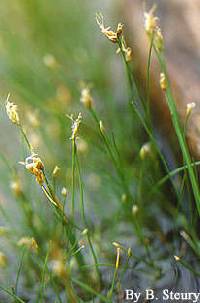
<point x="118" y="187"/>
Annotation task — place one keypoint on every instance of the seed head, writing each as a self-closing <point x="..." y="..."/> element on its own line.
<point x="124" y="198"/>
<point x="86" y="98"/>
<point x="190" y="107"/>
<point x="56" y="171"/>
<point x="111" y="35"/>
<point x="3" y="260"/>
<point x="150" y="21"/>
<point x="28" y="242"/>
<point x="129" y="54"/>
<point x="75" y="125"/>
<point x="134" y="209"/>
<point x="163" y="81"/>
<point x="50" y="61"/>
<point x="64" y="192"/>
<point x="116" y="244"/>
<point x="16" y="187"/>
<point x="127" y="51"/>
<point x="12" y="111"/>
<point x="177" y="258"/>
<point x="119" y="29"/>
<point x="185" y="236"/>
<point x="145" y="151"/>
<point x="34" y="164"/>
<point x="85" y="232"/>
<point x="58" y="268"/>
<point x="159" y="40"/>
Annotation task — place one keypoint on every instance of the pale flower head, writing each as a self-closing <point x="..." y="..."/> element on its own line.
<point x="56" y="171"/>
<point x="50" y="61"/>
<point x="3" y="260"/>
<point x="177" y="258"/>
<point x="190" y="107"/>
<point x="159" y="40"/>
<point x="86" y="98"/>
<point x="163" y="81"/>
<point x="85" y="232"/>
<point x="152" y="29"/>
<point x="134" y="209"/>
<point x="16" y="187"/>
<point x="145" y="151"/>
<point x="34" y="165"/>
<point x="128" y="52"/>
<point x="111" y="35"/>
<point x="75" y="125"/>
<point x="12" y="111"/>
<point x="150" y="21"/>
<point x="28" y="242"/>
<point x="64" y="192"/>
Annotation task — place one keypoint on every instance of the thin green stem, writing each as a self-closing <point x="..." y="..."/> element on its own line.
<point x="11" y="294"/>
<point x="189" y="267"/>
<point x="179" y="132"/>
<point x="73" y="177"/>
<point x="143" y="119"/>
<point x="148" y="80"/>
<point x="25" y="138"/>
<point x="84" y="219"/>
<point x="91" y="290"/>
<point x="115" y="161"/>
<point x="19" y="270"/>
<point x="171" y="174"/>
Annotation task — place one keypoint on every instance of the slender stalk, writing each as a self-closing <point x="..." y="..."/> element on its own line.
<point x="19" y="270"/>
<point x="139" y="109"/>
<point x="115" y="162"/>
<point x="85" y="221"/>
<point x="148" y="81"/>
<point x="91" y="290"/>
<point x="42" y="288"/>
<point x="73" y="177"/>
<point x="110" y="292"/>
<point x="173" y="173"/>
<point x="189" y="267"/>
<point x="12" y="295"/>
<point x="25" y="137"/>
<point x="180" y="134"/>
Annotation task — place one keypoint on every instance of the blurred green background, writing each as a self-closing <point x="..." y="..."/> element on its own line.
<point x="48" y="49"/>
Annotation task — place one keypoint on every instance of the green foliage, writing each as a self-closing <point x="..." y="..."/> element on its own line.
<point x="71" y="235"/>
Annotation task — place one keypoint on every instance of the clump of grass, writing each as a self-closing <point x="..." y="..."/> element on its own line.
<point x="64" y="251"/>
